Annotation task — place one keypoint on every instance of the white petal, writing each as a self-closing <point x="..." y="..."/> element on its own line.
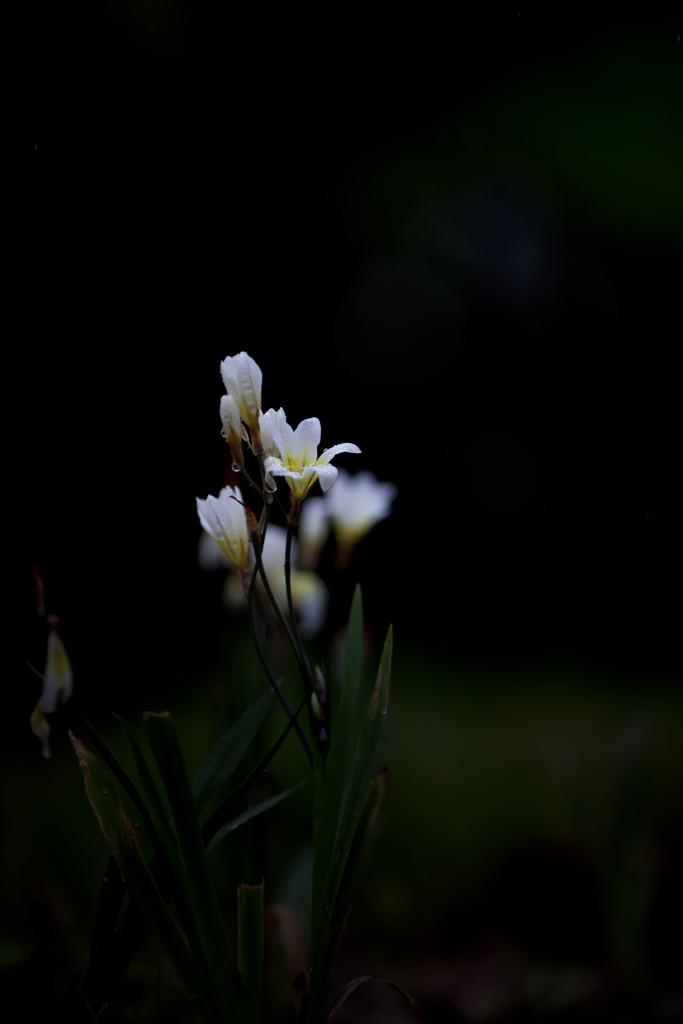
<point x="314" y="525"/>
<point x="302" y="447"/>
<point x="209" y="555"/>
<point x="230" y="415"/>
<point x="269" y="421"/>
<point x="337" y="449"/>
<point x="326" y="475"/>
<point x="243" y="379"/>
<point x="59" y="678"/>
<point x="273" y="466"/>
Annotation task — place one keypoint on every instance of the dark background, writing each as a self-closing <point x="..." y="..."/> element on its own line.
<point x="459" y="246"/>
<point x="458" y="242"/>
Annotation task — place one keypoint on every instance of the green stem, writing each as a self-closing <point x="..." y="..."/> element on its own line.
<point x="253" y="484"/>
<point x="288" y="584"/>
<point x="303" y="665"/>
<point x="274" y="683"/>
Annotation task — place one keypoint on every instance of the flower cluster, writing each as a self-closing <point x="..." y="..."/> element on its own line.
<point x="352" y="508"/>
<point x="289" y="453"/>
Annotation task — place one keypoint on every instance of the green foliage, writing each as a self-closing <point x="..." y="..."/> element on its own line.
<point x="345" y="791"/>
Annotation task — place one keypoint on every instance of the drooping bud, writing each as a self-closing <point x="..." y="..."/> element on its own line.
<point x="59" y="677"/>
<point x="225" y="521"/>
<point x="232" y="430"/>
<point x="58" y="684"/>
<point x="40" y="727"/>
<point x="243" y="378"/>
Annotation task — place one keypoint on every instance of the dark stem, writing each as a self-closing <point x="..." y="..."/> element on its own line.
<point x="273" y="682"/>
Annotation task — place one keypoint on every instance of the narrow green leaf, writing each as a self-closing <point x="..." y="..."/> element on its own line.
<point x="155" y="805"/>
<point x="357" y="982"/>
<point x="166" y="749"/>
<point x="222" y="813"/>
<point x="366" y="755"/>
<point x="122" y="840"/>
<point x="365" y="829"/>
<point x="166" y="849"/>
<point x="344" y="717"/>
<point x="109" y="904"/>
<point x="330" y="786"/>
<point x="250" y="940"/>
<point x="229" y="751"/>
<point x="132" y="929"/>
<point x="251" y="813"/>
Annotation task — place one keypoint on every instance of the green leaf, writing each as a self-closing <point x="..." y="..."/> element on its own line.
<point x="364" y="762"/>
<point x="250" y="940"/>
<point x="166" y="749"/>
<point x="122" y="840"/>
<point x="251" y="813"/>
<point x="222" y="813"/>
<point x="365" y="829"/>
<point x="109" y="904"/>
<point x="229" y="751"/>
<point x="330" y="787"/>
<point x="166" y="849"/>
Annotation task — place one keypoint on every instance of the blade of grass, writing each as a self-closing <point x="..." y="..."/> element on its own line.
<point x="222" y="813"/>
<point x="122" y="840"/>
<point x="350" y="880"/>
<point x="250" y="940"/>
<point x="166" y="749"/>
<point x="166" y="849"/>
<point x="108" y="906"/>
<point x="250" y="813"/>
<point x="366" y="755"/>
<point x="330" y="788"/>
<point x="229" y="751"/>
<point x="133" y="930"/>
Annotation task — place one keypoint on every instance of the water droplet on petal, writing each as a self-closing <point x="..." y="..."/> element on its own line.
<point x="209" y="757"/>
<point x="384" y="711"/>
<point x="236" y="468"/>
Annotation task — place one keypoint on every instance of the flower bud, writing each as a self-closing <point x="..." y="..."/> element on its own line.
<point x="59" y="677"/>
<point x="232" y="430"/>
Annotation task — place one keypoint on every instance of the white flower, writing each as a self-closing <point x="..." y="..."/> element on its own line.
<point x="314" y="529"/>
<point x="243" y="378"/>
<point x="298" y="458"/>
<point x="232" y="430"/>
<point x="356" y="504"/>
<point x="225" y="520"/>
<point x="309" y="593"/>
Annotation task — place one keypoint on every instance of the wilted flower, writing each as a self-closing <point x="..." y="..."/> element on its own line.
<point x="58" y="682"/>
<point x="243" y="378"/>
<point x="298" y="461"/>
<point x="225" y="520"/>
<point x="357" y="503"/>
